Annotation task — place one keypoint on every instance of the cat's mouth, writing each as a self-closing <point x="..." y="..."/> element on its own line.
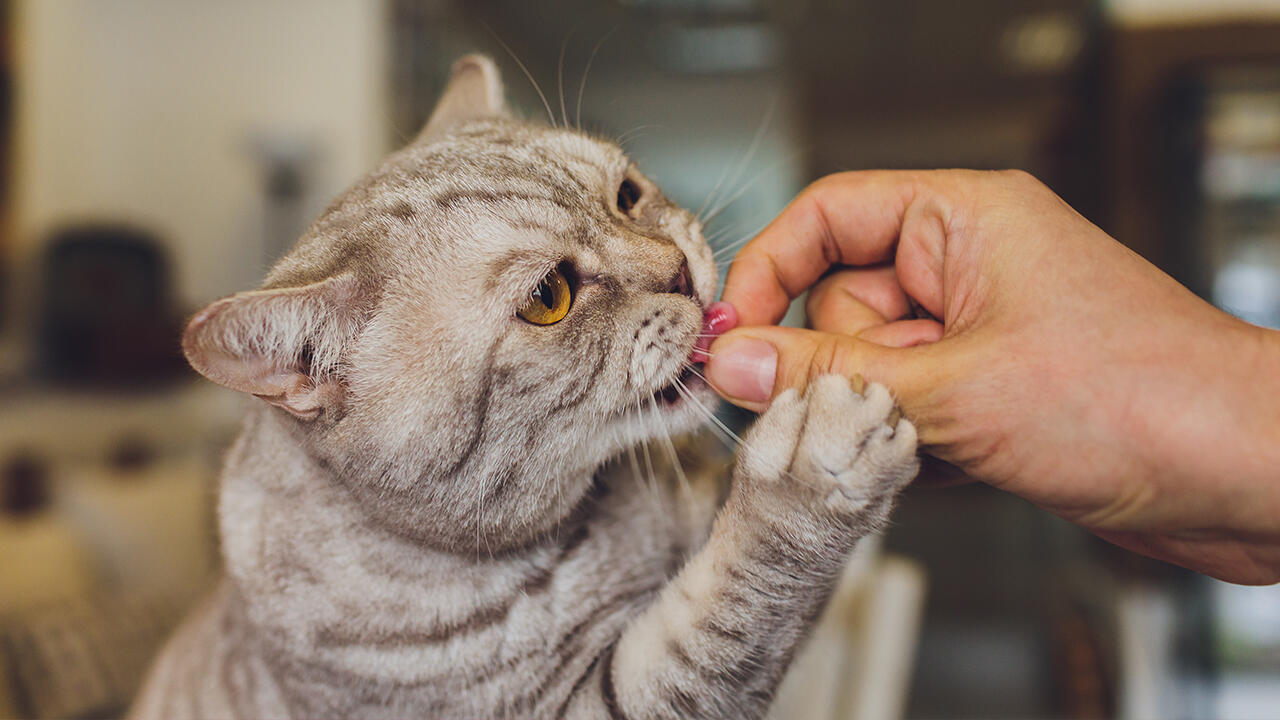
<point x="689" y="379"/>
<point x="719" y="318"/>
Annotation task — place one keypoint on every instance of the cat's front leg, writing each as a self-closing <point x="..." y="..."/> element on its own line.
<point x="816" y="473"/>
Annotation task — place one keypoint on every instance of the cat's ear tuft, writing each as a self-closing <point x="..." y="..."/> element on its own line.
<point x="474" y="92"/>
<point x="281" y="345"/>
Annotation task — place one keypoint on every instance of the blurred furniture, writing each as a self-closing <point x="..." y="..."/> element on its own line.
<point x="106" y="536"/>
<point x="988" y="84"/>
<point x="1151" y="150"/>
<point x="857" y="663"/>
<point x="107" y="313"/>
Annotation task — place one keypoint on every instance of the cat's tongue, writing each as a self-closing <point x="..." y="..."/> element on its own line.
<point x="718" y="319"/>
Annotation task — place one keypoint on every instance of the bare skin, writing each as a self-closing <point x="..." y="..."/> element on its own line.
<point x="1061" y="366"/>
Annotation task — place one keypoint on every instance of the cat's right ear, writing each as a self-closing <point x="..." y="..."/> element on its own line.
<point x="282" y="345"/>
<point x="474" y="92"/>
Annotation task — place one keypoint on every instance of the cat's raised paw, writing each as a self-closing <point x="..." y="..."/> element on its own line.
<point x="847" y="443"/>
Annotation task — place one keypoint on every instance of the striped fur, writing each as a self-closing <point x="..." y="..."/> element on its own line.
<point x="423" y="519"/>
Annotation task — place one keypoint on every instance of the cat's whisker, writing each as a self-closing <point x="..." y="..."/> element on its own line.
<point x="765" y="121"/>
<point x="560" y="75"/>
<point x="712" y="194"/>
<point x="688" y="394"/>
<point x="733" y="246"/>
<point x="738" y="195"/>
<point x="537" y="88"/>
<point x="648" y="457"/>
<point x="675" y="457"/>
<point x="631" y="134"/>
<point x="582" y="86"/>
<point x="699" y="375"/>
<point x="718" y="235"/>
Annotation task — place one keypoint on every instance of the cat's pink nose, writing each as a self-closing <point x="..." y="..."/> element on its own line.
<point x="718" y="319"/>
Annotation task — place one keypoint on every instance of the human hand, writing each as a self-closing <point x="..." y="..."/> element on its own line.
<point x="1057" y="364"/>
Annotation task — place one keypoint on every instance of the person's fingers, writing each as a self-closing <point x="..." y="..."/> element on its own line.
<point x="750" y="366"/>
<point x="832" y="309"/>
<point x="862" y="302"/>
<point x="874" y="288"/>
<point x="846" y="219"/>
<point x="904" y="333"/>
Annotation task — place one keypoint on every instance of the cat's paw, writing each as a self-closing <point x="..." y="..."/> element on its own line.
<point x="850" y="450"/>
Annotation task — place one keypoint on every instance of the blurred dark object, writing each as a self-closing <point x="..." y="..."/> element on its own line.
<point x="1221" y="198"/>
<point x="131" y="454"/>
<point x="1151" y="156"/>
<point x="24" y="485"/>
<point x="990" y="84"/>
<point x="106" y="311"/>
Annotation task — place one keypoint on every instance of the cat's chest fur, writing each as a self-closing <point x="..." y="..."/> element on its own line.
<point x="344" y="616"/>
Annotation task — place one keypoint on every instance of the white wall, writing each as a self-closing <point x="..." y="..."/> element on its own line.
<point x="1138" y="12"/>
<point x="142" y="110"/>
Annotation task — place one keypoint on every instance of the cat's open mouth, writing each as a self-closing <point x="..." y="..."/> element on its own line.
<point x="719" y="318"/>
<point x="689" y="378"/>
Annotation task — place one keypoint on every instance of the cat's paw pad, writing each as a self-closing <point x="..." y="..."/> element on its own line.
<point x="850" y="444"/>
<point x="857" y="441"/>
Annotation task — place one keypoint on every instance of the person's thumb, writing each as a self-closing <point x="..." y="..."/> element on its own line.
<point x="750" y="366"/>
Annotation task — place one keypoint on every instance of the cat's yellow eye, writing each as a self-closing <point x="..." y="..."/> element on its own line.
<point x="550" y="301"/>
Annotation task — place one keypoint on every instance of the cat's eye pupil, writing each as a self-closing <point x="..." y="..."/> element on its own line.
<point x="546" y="295"/>
<point x="628" y="195"/>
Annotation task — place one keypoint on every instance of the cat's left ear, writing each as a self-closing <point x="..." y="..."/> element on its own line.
<point x="474" y="92"/>
<point x="282" y="345"/>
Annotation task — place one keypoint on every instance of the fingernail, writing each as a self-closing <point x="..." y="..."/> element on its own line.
<point x="744" y="369"/>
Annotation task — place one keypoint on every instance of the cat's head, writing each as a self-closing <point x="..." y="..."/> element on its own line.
<point x="472" y="329"/>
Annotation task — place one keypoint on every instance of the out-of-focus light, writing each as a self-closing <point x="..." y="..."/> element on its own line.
<point x="1043" y="43"/>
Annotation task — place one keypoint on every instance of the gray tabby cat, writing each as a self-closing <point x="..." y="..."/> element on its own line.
<point x="420" y="520"/>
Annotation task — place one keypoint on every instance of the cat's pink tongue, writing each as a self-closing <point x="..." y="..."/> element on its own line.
<point x="720" y="318"/>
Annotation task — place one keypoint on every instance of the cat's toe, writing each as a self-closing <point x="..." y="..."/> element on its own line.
<point x="770" y="445"/>
<point x="857" y="441"/>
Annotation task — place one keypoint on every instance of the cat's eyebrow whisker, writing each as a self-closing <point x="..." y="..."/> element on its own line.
<point x="630" y="134"/>
<point x="714" y="238"/>
<point x="537" y="88"/>
<point x="582" y="86"/>
<point x="560" y="74"/>
<point x="747" y="186"/>
<point x="736" y="244"/>
<point x="765" y="121"/>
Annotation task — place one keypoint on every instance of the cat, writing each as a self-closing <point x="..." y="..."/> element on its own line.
<point x="423" y="517"/>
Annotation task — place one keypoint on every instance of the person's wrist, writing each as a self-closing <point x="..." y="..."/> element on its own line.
<point x="1267" y="370"/>
<point x="1243" y="430"/>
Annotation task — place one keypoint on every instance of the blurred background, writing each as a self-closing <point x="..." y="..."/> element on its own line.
<point x="158" y="154"/>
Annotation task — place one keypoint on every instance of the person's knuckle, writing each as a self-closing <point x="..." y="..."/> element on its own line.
<point x="1020" y="178"/>
<point x="827" y="354"/>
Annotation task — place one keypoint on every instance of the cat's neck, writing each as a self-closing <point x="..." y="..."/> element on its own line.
<point x="301" y="549"/>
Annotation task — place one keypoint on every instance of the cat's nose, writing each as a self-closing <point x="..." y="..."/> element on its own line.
<point x="682" y="283"/>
